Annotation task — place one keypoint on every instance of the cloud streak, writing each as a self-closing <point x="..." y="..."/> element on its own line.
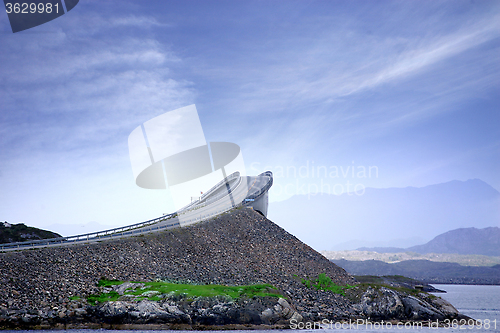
<point x="417" y="60"/>
<point x="317" y="77"/>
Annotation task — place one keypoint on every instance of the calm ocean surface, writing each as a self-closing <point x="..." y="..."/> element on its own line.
<point x="478" y="302"/>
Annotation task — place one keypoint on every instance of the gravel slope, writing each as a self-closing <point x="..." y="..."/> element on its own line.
<point x="242" y="247"/>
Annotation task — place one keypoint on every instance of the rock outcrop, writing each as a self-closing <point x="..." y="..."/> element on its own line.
<point x="384" y="304"/>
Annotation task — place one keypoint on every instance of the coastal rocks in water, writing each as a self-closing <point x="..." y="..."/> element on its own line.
<point x="280" y="312"/>
<point x="419" y="309"/>
<point x="445" y="307"/>
<point x="372" y="302"/>
<point x="114" y="311"/>
<point x="380" y="304"/>
<point x="201" y="311"/>
<point x="383" y="303"/>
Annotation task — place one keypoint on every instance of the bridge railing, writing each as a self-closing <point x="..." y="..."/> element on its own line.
<point x="110" y="233"/>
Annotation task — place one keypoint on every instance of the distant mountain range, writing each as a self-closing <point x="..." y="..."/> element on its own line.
<point x="461" y="241"/>
<point x="425" y="270"/>
<point x="464" y="241"/>
<point x="384" y="217"/>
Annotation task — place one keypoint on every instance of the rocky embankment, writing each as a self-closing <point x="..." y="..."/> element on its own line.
<point x="48" y="287"/>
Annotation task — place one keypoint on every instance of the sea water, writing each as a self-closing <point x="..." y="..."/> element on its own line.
<point x="478" y="302"/>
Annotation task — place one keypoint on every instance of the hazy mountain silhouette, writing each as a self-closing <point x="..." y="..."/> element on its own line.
<point x="384" y="215"/>
<point x="425" y="270"/>
<point x="462" y="241"/>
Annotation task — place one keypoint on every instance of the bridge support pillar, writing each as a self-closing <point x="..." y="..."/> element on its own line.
<point x="261" y="204"/>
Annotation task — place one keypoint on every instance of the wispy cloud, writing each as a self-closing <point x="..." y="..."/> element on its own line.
<point x="84" y="90"/>
<point x="318" y="80"/>
<point x="374" y="62"/>
<point x="137" y="21"/>
<point x="437" y="49"/>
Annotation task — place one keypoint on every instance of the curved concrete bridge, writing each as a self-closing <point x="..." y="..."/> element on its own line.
<point x="232" y="192"/>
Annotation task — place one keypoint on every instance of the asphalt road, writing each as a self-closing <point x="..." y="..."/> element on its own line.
<point x="247" y="186"/>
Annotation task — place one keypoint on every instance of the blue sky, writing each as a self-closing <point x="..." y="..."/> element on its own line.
<point x="410" y="87"/>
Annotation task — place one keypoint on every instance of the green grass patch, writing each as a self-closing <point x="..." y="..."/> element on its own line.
<point x="158" y="290"/>
<point x="104" y="297"/>
<point x="323" y="282"/>
<point x="108" y="283"/>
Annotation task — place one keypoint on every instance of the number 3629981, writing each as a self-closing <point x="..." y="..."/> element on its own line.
<point x="31" y="8"/>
